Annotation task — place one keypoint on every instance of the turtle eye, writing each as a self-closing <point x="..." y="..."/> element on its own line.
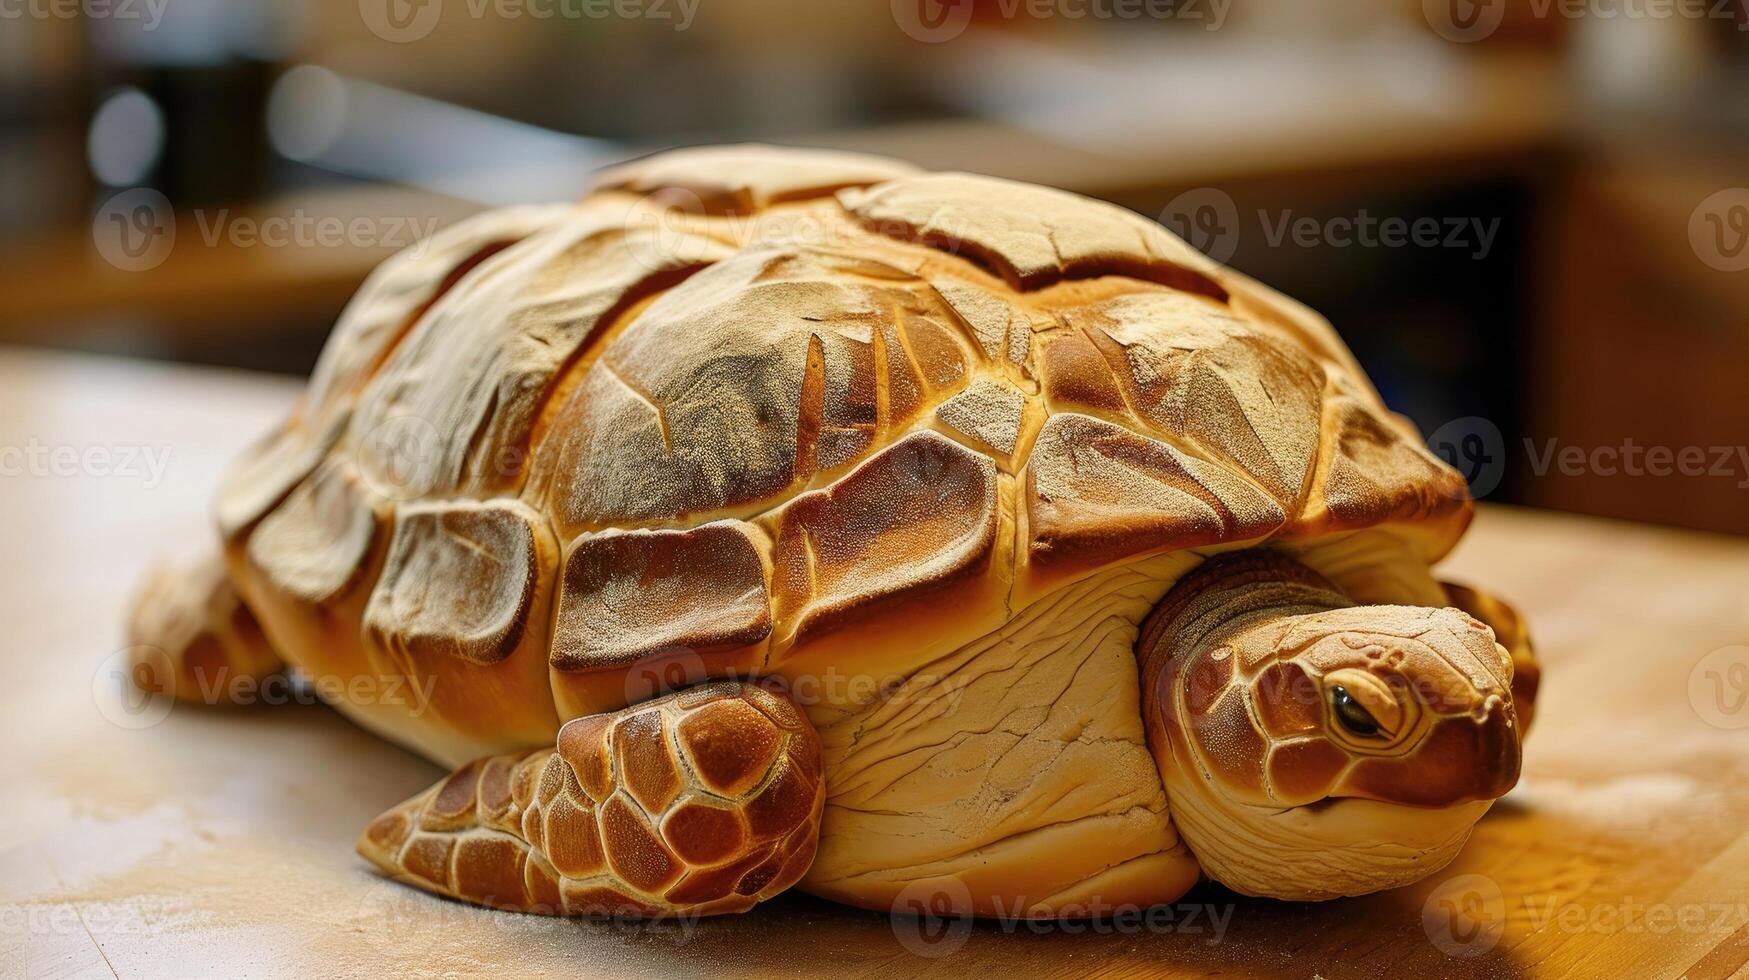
<point x="1351" y="714"/>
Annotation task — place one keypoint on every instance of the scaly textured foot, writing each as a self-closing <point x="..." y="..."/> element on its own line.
<point x="698" y="803"/>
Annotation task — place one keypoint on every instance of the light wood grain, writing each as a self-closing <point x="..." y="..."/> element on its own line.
<point x="218" y="843"/>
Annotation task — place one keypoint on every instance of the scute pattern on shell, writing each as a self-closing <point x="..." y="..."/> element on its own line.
<point x="870" y="384"/>
<point x="697" y="803"/>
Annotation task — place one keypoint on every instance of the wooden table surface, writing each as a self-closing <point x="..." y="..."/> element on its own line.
<point x="218" y="842"/>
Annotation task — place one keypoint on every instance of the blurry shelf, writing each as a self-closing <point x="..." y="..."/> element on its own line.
<point x="215" y="272"/>
<point x="1490" y="110"/>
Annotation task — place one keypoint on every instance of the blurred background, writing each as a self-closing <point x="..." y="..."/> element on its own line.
<point x="1530" y="218"/>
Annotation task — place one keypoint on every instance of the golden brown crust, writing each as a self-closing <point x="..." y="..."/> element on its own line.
<point x="777" y="343"/>
<point x="630" y="596"/>
<point x="385" y="308"/>
<point x="1239" y="654"/>
<point x="699" y="803"/>
<point x="460" y="580"/>
<point x="919" y="515"/>
<point x="1375" y="472"/>
<point x="744" y="383"/>
<point x="1003" y="331"/>
<point x="458" y="400"/>
<point x="1095" y="490"/>
<point x="990" y="416"/>
<point x="1031" y="236"/>
<point x="315" y="546"/>
<point x="747" y="411"/>
<point x="744" y="178"/>
<point x="463" y="605"/>
<point x="1195" y="374"/>
<point x="265" y="473"/>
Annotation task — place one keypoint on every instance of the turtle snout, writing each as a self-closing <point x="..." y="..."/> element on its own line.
<point x="1463" y="758"/>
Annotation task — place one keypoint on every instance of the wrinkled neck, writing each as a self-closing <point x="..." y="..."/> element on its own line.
<point x="1223" y="597"/>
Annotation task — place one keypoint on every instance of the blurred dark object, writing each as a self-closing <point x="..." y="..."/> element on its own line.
<point x="43" y="111"/>
<point x="214" y="142"/>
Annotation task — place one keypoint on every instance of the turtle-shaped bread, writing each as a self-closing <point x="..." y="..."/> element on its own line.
<point x="776" y="518"/>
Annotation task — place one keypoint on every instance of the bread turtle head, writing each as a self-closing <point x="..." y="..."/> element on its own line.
<point x="1314" y="747"/>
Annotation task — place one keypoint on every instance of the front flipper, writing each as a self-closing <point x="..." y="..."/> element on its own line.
<point x="191" y="636"/>
<point x="1510" y="633"/>
<point x="698" y="803"/>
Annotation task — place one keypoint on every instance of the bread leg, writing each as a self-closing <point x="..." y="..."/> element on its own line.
<point x="190" y="635"/>
<point x="702" y="802"/>
<point x="1509" y="632"/>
